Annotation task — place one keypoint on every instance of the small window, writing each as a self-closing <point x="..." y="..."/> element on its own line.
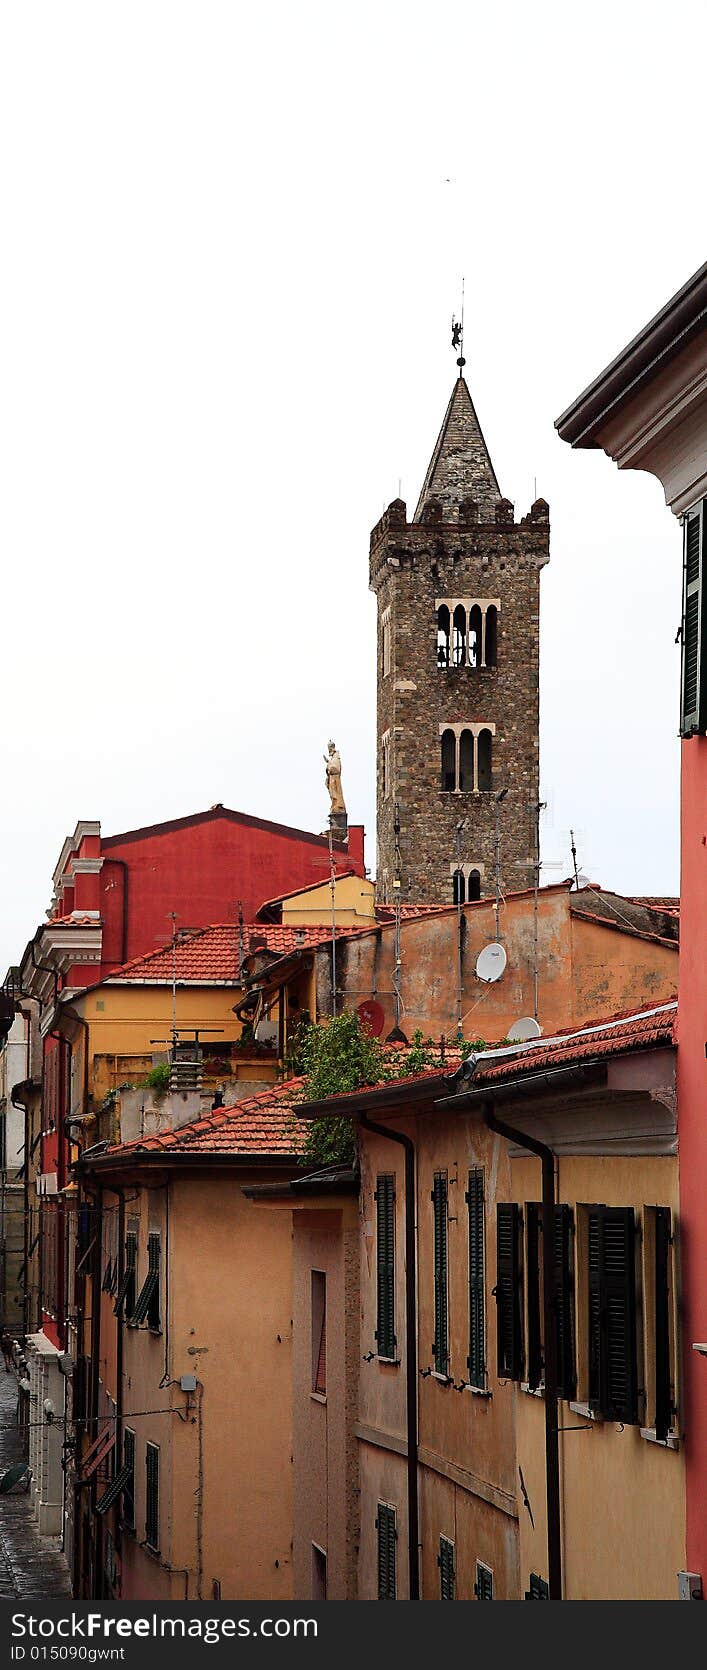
<point x="537" y="1589"/>
<point x="385" y="643"/>
<point x="473" y="886"/>
<point x="318" y="1331"/>
<point x="152" y="1495"/>
<point x="476" y="1360"/>
<point x="147" y="1304"/>
<point x="483" y="1587"/>
<point x="386" y="764"/>
<point x="129" y="1485"/>
<point x="466" y="762"/>
<point x="475" y="636"/>
<point x="449" y="762"/>
<point x="459" y="636"/>
<point x="485" y="774"/>
<point x="385" y="1257"/>
<point x="318" y="1573"/>
<point x="125" y="1297"/>
<point x="440" y="1346"/>
<point x="387" y="1537"/>
<point x="445" y="1561"/>
<point x="443" y="629"/>
<point x="491" y="635"/>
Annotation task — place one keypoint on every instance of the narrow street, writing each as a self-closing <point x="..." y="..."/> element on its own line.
<point x="31" y="1567"/>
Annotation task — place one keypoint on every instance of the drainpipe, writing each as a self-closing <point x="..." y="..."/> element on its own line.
<point x="552" y="1453"/>
<point x="410" y="1346"/>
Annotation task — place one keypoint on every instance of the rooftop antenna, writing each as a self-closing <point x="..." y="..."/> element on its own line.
<point x="241" y="940"/>
<point x="500" y="797"/>
<point x="173" y="918"/>
<point x="397" y="890"/>
<point x="332" y="884"/>
<point x="458" y="335"/>
<point x="573" y="850"/>
<point x="460" y="874"/>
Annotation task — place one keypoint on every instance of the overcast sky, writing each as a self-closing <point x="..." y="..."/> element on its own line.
<point x="233" y="239"/>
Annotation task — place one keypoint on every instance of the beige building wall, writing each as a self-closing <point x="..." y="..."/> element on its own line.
<point x="623" y="1496"/>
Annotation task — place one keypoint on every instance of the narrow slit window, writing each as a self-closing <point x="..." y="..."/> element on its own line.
<point x="475" y="636"/>
<point x="473" y="886"/>
<point x="491" y="635"/>
<point x="459" y="636"/>
<point x="485" y="769"/>
<point x="449" y="762"/>
<point x="440" y="1346"/>
<point x="385" y="1256"/>
<point x="466" y="762"/>
<point x="443" y="632"/>
<point x="319" y="1331"/>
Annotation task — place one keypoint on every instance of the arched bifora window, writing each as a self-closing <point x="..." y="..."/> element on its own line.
<point x="491" y="635"/>
<point x="459" y="636"/>
<point x="466" y="762"/>
<point x="475" y="636"/>
<point x="449" y="762"/>
<point x="484" y="767"/>
<point x="443" y="629"/>
<point x="473" y="886"/>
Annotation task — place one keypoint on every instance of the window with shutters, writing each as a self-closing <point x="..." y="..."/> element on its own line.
<point x="476" y="1360"/>
<point x="445" y="1561"/>
<point x="693" y="683"/>
<point x="537" y="1589"/>
<point x="610" y="1300"/>
<point x="483" y="1587"/>
<point x="387" y="1538"/>
<point x="507" y="1292"/>
<point x="440" y="1344"/>
<point x="129" y="1485"/>
<point x="385" y="1265"/>
<point x="562" y="1298"/>
<point x="125" y="1297"/>
<point x="659" y="1326"/>
<point x="147" y="1304"/>
<point x="152" y="1495"/>
<point x="319" y="1332"/>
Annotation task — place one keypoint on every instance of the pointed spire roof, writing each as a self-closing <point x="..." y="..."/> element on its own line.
<point x="460" y="466"/>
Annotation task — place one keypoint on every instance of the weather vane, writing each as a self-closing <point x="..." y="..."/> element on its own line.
<point x="458" y="335"/>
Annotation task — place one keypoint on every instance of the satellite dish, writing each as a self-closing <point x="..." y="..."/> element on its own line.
<point x="524" y="1029"/>
<point x="490" y="963"/>
<point x="582" y="881"/>
<point x="372" y="1017"/>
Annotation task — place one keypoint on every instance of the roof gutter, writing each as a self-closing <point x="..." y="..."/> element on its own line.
<point x="529" y="1084"/>
<point x="168" y="1157"/>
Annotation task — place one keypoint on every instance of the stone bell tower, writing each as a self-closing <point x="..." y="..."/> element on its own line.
<point x="458" y="592"/>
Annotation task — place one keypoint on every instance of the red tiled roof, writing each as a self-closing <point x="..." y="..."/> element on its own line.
<point x="212" y="955"/>
<point x="616" y="1035"/>
<point x="266" y="1124"/>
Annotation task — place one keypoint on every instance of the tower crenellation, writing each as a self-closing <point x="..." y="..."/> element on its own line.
<point x="458" y="675"/>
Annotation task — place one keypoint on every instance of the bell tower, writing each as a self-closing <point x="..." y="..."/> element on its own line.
<point x="458" y="593"/>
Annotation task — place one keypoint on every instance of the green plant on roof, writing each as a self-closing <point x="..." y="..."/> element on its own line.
<point x="335" y="1060"/>
<point x="158" y="1077"/>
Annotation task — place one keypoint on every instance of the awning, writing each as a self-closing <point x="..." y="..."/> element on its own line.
<point x="114" y="1489"/>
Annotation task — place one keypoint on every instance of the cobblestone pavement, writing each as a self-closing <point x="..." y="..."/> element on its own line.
<point x="31" y="1567"/>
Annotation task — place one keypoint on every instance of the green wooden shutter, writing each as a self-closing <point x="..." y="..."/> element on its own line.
<point x="483" y="1587"/>
<point x="693" y="685"/>
<point x="597" y="1395"/>
<point x="537" y="1589"/>
<point x="445" y="1561"/>
<point x="385" y="1254"/>
<point x="563" y="1297"/>
<point x="440" y="1348"/>
<point x="129" y="1485"/>
<point x="476" y="1360"/>
<point x="385" y="1525"/>
<point x="152" y="1497"/>
<point x="619" y="1307"/>
<point x="509" y="1335"/>
<point x="663" y="1376"/>
<point x="535" y="1351"/>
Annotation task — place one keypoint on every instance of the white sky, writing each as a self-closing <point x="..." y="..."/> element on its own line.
<point x="233" y="238"/>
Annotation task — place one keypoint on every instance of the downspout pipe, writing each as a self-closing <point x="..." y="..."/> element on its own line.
<point x="552" y="1453"/>
<point x="407" y="1143"/>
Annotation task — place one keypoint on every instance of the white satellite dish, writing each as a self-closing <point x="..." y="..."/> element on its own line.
<point x="582" y="881"/>
<point x="523" y="1030"/>
<point x="490" y="963"/>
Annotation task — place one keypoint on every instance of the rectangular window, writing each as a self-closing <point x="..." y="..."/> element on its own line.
<point x="387" y="1537"/>
<point x="385" y="1264"/>
<point x="538" y="1589"/>
<point x="318" y="1573"/>
<point x="125" y="1297"/>
<point x="611" y="1307"/>
<point x="386" y="764"/>
<point x="445" y="1561"/>
<point x="147" y="1304"/>
<point x="152" y="1495"/>
<point x="385" y="642"/>
<point x="476" y="1360"/>
<point x="533" y="1289"/>
<point x="659" y="1320"/>
<point x="440" y="1347"/>
<point x="319" y="1331"/>
<point x="562" y="1297"/>
<point x="693" y="683"/>
<point x="483" y="1587"/>
<point x="509" y="1328"/>
<point x="129" y="1485"/>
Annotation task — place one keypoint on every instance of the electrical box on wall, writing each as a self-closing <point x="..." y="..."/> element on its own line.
<point x="689" y="1585"/>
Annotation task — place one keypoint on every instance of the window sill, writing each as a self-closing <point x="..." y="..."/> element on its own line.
<point x="535" y="1391"/>
<point x="149" y="1549"/>
<point x="669" y="1443"/>
<point x="479" y="1391"/>
<point x="442" y="1379"/>
<point x="388" y="1362"/>
<point x="318" y="1397"/>
<point x="589" y="1414"/>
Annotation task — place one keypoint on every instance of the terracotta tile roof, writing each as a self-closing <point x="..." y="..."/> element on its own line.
<point x="617" y="1035"/>
<point x="212" y="955"/>
<point x="656" y="901"/>
<point x="266" y="1124"/>
<point x="73" y="919"/>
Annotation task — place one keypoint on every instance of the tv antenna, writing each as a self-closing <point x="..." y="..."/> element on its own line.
<point x="458" y="335"/>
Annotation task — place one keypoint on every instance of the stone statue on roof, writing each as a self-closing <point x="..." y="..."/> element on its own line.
<point x="332" y="761"/>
